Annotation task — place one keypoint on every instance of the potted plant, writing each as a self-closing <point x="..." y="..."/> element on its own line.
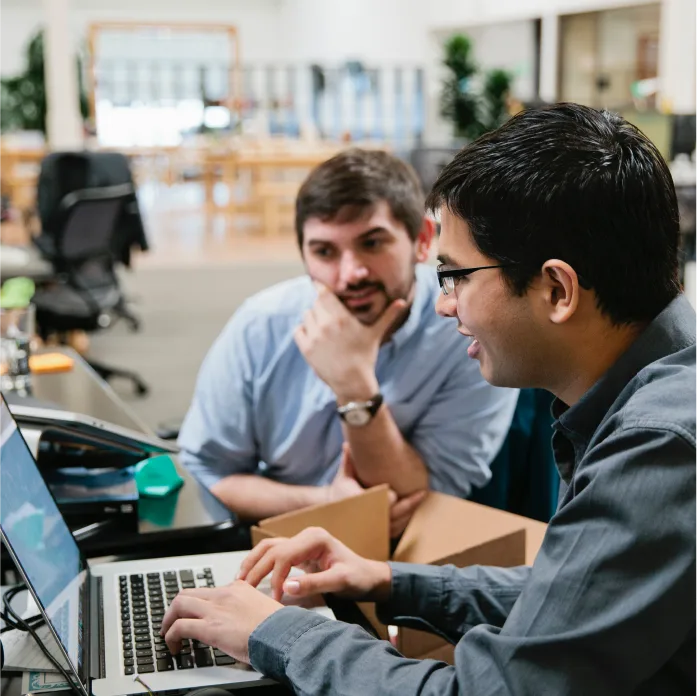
<point x="475" y="103"/>
<point x="23" y="97"/>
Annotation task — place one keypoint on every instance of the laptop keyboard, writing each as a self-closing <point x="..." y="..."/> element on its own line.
<point x="144" y="600"/>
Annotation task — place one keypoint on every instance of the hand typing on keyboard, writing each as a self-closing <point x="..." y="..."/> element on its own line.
<point x="223" y="617"/>
<point x="143" y="603"/>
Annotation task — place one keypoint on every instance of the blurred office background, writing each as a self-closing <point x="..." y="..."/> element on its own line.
<point x="222" y="106"/>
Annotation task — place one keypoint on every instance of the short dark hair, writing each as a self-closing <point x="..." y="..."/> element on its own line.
<point x="346" y="186"/>
<point x="577" y="184"/>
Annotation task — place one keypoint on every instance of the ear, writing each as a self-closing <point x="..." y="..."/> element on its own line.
<point x="424" y="239"/>
<point x="561" y="290"/>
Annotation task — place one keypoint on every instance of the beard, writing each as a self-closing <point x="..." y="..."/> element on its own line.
<point x="374" y="307"/>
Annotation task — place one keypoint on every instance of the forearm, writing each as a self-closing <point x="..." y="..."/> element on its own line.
<point x="382" y="455"/>
<point x="255" y="497"/>
<point x="315" y="655"/>
<point x="448" y="600"/>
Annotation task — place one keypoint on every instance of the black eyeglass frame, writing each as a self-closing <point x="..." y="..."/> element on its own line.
<point x="453" y="273"/>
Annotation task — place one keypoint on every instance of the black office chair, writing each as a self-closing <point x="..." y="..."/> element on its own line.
<point x="86" y="294"/>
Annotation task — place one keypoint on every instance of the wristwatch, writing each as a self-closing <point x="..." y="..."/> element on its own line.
<point x="358" y="413"/>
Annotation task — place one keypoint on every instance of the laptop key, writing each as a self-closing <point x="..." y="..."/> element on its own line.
<point x="128" y="662"/>
<point x="163" y="654"/>
<point x="203" y="658"/>
<point x="186" y="575"/>
<point x="144" y="653"/>
<point x="152" y="575"/>
<point x="165" y="664"/>
<point x="225" y="660"/>
<point x="144" y="669"/>
<point x="128" y="653"/>
<point x="184" y="661"/>
<point x="145" y="660"/>
<point x="128" y="670"/>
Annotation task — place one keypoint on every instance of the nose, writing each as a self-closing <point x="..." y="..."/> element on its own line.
<point x="446" y="305"/>
<point x="352" y="270"/>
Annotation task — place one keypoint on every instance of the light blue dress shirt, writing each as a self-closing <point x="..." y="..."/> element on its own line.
<point x="259" y="408"/>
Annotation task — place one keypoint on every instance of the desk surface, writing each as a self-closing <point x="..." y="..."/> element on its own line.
<point x="23" y="261"/>
<point x="190" y="520"/>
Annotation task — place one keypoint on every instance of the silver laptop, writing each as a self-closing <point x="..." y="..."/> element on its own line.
<point x="106" y="618"/>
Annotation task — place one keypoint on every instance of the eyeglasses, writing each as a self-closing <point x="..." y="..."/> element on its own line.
<point x="446" y="277"/>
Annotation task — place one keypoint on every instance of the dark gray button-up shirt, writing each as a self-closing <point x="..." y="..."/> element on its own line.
<point x="607" y="609"/>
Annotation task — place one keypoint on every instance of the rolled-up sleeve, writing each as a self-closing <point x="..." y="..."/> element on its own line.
<point x="217" y="438"/>
<point x="607" y="605"/>
<point x="463" y="429"/>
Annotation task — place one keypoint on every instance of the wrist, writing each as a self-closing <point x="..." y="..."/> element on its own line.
<point x="357" y="388"/>
<point x="381" y="573"/>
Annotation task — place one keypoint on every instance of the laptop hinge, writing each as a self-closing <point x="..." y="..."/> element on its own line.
<point x="97" y="651"/>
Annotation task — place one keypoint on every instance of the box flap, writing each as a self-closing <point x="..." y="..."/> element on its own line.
<point x="362" y="522"/>
<point x="443" y="526"/>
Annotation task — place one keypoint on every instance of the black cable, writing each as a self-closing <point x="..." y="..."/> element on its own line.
<point x="10" y="617"/>
<point x="25" y="625"/>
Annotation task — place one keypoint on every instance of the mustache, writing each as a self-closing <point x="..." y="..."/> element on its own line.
<point x="359" y="287"/>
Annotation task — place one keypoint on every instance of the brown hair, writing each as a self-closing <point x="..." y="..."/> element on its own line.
<point x="344" y="187"/>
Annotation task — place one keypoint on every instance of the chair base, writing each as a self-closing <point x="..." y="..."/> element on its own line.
<point x="107" y="373"/>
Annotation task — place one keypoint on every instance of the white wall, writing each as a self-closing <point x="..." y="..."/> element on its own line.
<point x="379" y="32"/>
<point x="444" y="13"/>
<point x="257" y="22"/>
<point x="18" y="22"/>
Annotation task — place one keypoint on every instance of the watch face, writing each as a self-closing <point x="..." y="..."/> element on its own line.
<point x="359" y="416"/>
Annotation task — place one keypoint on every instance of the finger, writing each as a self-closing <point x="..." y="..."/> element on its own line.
<point x="325" y="308"/>
<point x="332" y="580"/>
<point x="186" y="628"/>
<point x="310" y="322"/>
<point x="321" y="288"/>
<point x="261" y="569"/>
<point x="301" y="339"/>
<point x="304" y="546"/>
<point x="389" y="317"/>
<point x="402" y="512"/>
<point x="184" y="606"/>
<point x="280" y="573"/>
<point x="347" y="468"/>
<point x="397" y="526"/>
<point x="253" y="557"/>
<point x="406" y="506"/>
<point x="392" y="497"/>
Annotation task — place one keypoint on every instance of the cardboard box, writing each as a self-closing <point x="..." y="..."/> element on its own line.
<point x="443" y="530"/>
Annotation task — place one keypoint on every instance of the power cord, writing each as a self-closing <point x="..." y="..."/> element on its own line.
<point x="10" y="617"/>
<point x="13" y="620"/>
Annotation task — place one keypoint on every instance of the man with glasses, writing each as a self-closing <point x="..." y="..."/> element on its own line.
<point x="346" y="377"/>
<point x="559" y="260"/>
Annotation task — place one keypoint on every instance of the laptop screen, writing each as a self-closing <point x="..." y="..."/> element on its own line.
<point x="39" y="539"/>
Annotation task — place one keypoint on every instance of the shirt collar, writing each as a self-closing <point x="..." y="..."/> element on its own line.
<point x="672" y="330"/>
<point x="423" y="301"/>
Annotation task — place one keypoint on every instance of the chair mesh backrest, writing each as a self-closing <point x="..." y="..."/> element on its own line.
<point x="61" y="174"/>
<point x="89" y="228"/>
